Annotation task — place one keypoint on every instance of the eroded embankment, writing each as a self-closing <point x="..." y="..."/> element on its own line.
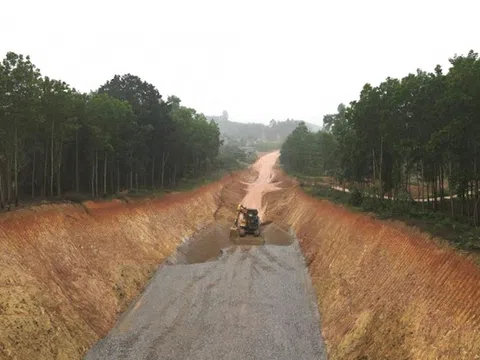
<point x="385" y="291"/>
<point x="67" y="271"/>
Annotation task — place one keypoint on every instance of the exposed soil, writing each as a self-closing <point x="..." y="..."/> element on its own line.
<point x="214" y="299"/>
<point x="263" y="184"/>
<point x="385" y="290"/>
<point x="67" y="271"/>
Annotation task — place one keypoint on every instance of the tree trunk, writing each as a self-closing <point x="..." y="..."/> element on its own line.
<point x="381" y="169"/>
<point x="15" y="167"/>
<point x="93" y="178"/>
<point x="153" y="172"/>
<point x="174" y="178"/>
<point x="136" y="181"/>
<point x="131" y="171"/>
<point x="112" y="177"/>
<point x="105" y="174"/>
<point x="33" y="165"/>
<point x="442" y="188"/>
<point x="77" y="174"/>
<point x="9" y="181"/>
<point x="451" y="194"/>
<point x="418" y="186"/>
<point x="96" y="173"/>
<point x="52" y="164"/>
<point x="408" y="186"/>
<point x="475" y="211"/>
<point x="45" y="170"/>
<point x="118" y="176"/>
<point x="434" y="188"/>
<point x="428" y="194"/>
<point x="468" y="199"/>
<point x="59" y="167"/>
<point x="164" y="161"/>
<point x="2" y="200"/>
<point x="423" y="187"/>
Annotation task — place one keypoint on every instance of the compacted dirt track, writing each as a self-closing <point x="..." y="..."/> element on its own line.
<point x="248" y="302"/>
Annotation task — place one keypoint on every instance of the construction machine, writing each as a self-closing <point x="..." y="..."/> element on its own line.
<point x="247" y="221"/>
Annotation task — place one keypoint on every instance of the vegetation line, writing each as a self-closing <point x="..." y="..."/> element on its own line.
<point x="412" y="138"/>
<point x="56" y="141"/>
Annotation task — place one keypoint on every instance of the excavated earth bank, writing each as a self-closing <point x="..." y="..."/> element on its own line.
<point x="385" y="290"/>
<point x="67" y="271"/>
<point x="216" y="299"/>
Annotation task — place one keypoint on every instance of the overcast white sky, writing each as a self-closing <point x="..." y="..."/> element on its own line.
<point x="258" y="60"/>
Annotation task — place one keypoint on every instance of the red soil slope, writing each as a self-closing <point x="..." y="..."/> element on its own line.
<point x="385" y="291"/>
<point x="67" y="271"/>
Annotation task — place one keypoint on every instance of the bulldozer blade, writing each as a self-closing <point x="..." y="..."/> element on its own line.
<point x="249" y="240"/>
<point x="233" y="233"/>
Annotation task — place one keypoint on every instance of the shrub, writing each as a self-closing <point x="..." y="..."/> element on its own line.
<point x="356" y="198"/>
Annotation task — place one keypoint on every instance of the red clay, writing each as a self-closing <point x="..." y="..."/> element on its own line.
<point x="386" y="291"/>
<point x="263" y="183"/>
<point x="67" y="271"/>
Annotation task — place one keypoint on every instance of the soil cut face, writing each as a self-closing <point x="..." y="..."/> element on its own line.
<point x="385" y="290"/>
<point x="213" y="299"/>
<point x="67" y="271"/>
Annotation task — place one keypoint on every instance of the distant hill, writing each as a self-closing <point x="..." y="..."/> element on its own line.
<point x="254" y="133"/>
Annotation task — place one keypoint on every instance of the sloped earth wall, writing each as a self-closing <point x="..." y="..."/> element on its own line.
<point x="385" y="291"/>
<point x="67" y="271"/>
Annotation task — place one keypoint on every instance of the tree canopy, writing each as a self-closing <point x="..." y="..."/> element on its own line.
<point x="55" y="139"/>
<point x="421" y="131"/>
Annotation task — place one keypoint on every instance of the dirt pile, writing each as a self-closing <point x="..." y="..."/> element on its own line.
<point x="385" y="291"/>
<point x="67" y="271"/>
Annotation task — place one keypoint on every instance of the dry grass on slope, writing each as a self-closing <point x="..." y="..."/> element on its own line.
<point x="385" y="290"/>
<point x="67" y="271"/>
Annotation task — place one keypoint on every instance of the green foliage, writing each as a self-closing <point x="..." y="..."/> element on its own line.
<point x="56" y="141"/>
<point x="309" y="153"/>
<point x="423" y="129"/>
<point x="260" y="136"/>
<point x="233" y="157"/>
<point x="356" y="198"/>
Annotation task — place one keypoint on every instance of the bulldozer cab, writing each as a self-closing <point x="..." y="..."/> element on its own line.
<point x="252" y="218"/>
<point x="247" y="221"/>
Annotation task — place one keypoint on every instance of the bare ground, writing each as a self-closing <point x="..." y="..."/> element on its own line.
<point x="67" y="271"/>
<point x="213" y="299"/>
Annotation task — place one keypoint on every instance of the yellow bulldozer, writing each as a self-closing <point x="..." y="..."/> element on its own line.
<point x="247" y="221"/>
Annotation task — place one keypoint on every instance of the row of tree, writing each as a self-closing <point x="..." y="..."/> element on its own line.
<point x="422" y="130"/>
<point x="55" y="139"/>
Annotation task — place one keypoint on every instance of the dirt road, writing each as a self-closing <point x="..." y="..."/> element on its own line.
<point x="252" y="302"/>
<point x="263" y="183"/>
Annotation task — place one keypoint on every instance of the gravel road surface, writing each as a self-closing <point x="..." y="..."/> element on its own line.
<point x="252" y="303"/>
